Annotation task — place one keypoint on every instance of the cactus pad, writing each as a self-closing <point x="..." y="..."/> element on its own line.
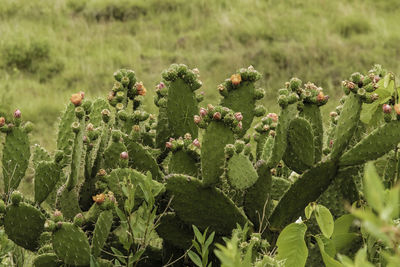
<point x="141" y="159"/>
<point x="16" y="154"/>
<point x="47" y="174"/>
<point x="39" y="154"/>
<point x="71" y="245"/>
<point x="196" y="204"/>
<point x="347" y="125"/>
<point x="24" y="224"/>
<point x="65" y="132"/>
<point x="279" y="187"/>
<point x="47" y="260"/>
<point x="240" y="172"/>
<point x="181" y="162"/>
<point x="313" y="115"/>
<point x="101" y="231"/>
<point x="306" y="189"/>
<point x="257" y="195"/>
<point x="215" y="138"/>
<point x="174" y="231"/>
<point x="373" y="146"/>
<point x="299" y="153"/>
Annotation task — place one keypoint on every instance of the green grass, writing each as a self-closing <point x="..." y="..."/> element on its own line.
<point x="52" y="48"/>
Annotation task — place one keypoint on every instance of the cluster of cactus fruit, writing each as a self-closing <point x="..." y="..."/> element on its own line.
<point x="215" y="178"/>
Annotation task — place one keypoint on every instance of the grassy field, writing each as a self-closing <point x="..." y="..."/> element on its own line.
<point x="52" y="48"/>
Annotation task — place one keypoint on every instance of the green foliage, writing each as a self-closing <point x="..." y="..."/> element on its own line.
<point x="201" y="243"/>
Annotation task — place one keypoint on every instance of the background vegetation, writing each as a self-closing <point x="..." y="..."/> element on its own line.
<point x="52" y="48"/>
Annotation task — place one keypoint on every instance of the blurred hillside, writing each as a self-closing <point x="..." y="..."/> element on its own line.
<point x="52" y="48"/>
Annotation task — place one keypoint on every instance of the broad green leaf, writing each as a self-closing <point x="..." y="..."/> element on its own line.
<point x="361" y="259"/>
<point x="346" y="261"/>
<point x="309" y="210"/>
<point x="210" y="239"/>
<point x="198" y="235"/>
<point x="195" y="258"/>
<point x="391" y="210"/>
<point x="324" y="220"/>
<point x="341" y="237"/>
<point x="373" y="188"/>
<point x="291" y="245"/>
<point x="328" y="260"/>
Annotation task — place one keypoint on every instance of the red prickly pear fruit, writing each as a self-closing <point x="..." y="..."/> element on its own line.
<point x="2" y="121"/>
<point x="217" y="116"/>
<point x="236" y="79"/>
<point x="387" y="109"/>
<point x="196" y="142"/>
<point x="203" y="112"/>
<point x="168" y="145"/>
<point x="17" y="114"/>
<point x="238" y="116"/>
<point x="76" y="99"/>
<point x="197" y="119"/>
<point x="124" y="155"/>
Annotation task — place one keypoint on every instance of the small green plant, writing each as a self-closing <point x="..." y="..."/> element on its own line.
<point x="202" y="245"/>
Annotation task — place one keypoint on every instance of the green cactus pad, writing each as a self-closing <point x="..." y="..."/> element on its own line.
<point x="68" y="202"/>
<point x="174" y="231"/>
<point x="258" y="194"/>
<point x="279" y="187"/>
<point x="112" y="155"/>
<point x="242" y="99"/>
<point x="198" y="205"/>
<point x="141" y="159"/>
<point x="306" y="189"/>
<point x="24" y="224"/>
<point x="374" y="145"/>
<point x="267" y="148"/>
<point x="101" y="231"/>
<point x="342" y="190"/>
<point x="47" y="260"/>
<point x="181" y="162"/>
<point x="65" y="132"/>
<point x="240" y="172"/>
<point x="312" y="113"/>
<point x="71" y="245"/>
<point x="347" y="125"/>
<point x="280" y="140"/>
<point x="181" y="107"/>
<point x="16" y="154"/>
<point x="39" y="154"/>
<point x="47" y="174"/>
<point x="76" y="157"/>
<point x="299" y="154"/>
<point x="162" y="128"/>
<point x="216" y="137"/>
<point x="95" y="117"/>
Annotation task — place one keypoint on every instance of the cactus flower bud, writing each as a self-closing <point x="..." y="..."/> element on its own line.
<point x="76" y="99"/>
<point x="272" y="133"/>
<point x="160" y="86"/>
<point x="397" y="109"/>
<point x="78" y="219"/>
<point x="79" y="112"/>
<point x="240" y="125"/>
<point x="203" y="112"/>
<point x="2" y="121"/>
<point x="168" y="145"/>
<point x="320" y="97"/>
<point x="99" y="198"/>
<point x="105" y="113"/>
<point x="196" y="119"/>
<point x="75" y="127"/>
<point x="124" y="155"/>
<point x="17" y="114"/>
<point x="82" y="94"/>
<point x="333" y="114"/>
<point x="187" y="136"/>
<point x="236" y="79"/>
<point x="238" y="116"/>
<point x="140" y="88"/>
<point x="217" y="116"/>
<point x="16" y="197"/>
<point x="229" y="150"/>
<point x="387" y="109"/>
<point x="210" y="107"/>
<point x="196" y="143"/>
<point x="102" y="172"/>
<point x="57" y="216"/>
<point x="273" y="116"/>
